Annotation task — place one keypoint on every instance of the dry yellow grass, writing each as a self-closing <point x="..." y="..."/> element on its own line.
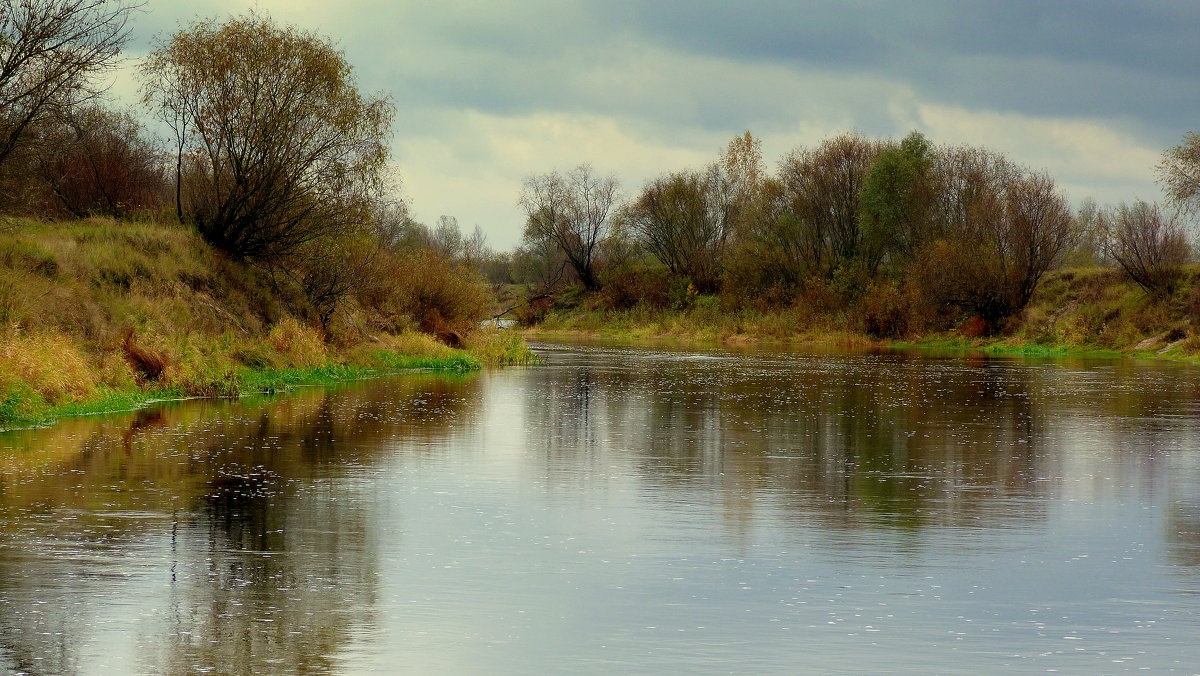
<point x="51" y="364"/>
<point x="297" y="344"/>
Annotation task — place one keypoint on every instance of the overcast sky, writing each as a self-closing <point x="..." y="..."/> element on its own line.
<point x="489" y="92"/>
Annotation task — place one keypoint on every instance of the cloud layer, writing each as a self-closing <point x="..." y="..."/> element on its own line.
<point x="488" y="93"/>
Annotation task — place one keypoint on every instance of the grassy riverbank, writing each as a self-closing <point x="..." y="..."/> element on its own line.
<point x="27" y="404"/>
<point x="1094" y="311"/>
<point x="98" y="315"/>
<point x="40" y="386"/>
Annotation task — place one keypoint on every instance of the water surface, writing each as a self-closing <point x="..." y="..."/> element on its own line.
<point x="622" y="510"/>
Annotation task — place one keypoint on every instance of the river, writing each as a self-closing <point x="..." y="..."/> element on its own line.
<point x="622" y="510"/>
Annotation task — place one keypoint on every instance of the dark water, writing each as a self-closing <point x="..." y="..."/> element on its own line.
<point x="622" y="510"/>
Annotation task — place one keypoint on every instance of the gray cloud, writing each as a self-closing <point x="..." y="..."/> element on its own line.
<point x="1117" y="60"/>
<point x="1132" y="63"/>
<point x="474" y="80"/>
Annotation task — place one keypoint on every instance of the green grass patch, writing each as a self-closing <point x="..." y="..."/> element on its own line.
<point x="1002" y="348"/>
<point x="270" y="381"/>
<point x="459" y="361"/>
<point x="21" y="406"/>
<point x="384" y="362"/>
<point x="502" y="348"/>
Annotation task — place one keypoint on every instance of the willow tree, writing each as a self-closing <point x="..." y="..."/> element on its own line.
<point x="1149" y="245"/>
<point x="275" y="145"/>
<point x="1179" y="175"/>
<point x="896" y="199"/>
<point x="819" y="228"/>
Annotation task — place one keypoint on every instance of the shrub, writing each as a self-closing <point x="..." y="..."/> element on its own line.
<point x="535" y="311"/>
<point x="975" y="327"/>
<point x="753" y="276"/>
<point x="816" y="296"/>
<point x="195" y="369"/>
<point x="629" y="285"/>
<point x="424" y="289"/>
<point x="957" y="280"/>
<point x="500" y="348"/>
<point x="889" y="310"/>
<point x="299" y="345"/>
<point x="1150" y="246"/>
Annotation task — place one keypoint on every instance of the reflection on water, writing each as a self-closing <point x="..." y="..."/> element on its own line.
<point x="621" y="509"/>
<point x="228" y="537"/>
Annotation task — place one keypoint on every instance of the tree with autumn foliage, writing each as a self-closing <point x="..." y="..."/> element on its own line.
<point x="684" y="220"/>
<point x="275" y="147"/>
<point x="1000" y="227"/>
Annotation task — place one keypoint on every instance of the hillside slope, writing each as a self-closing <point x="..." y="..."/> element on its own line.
<point x="98" y="314"/>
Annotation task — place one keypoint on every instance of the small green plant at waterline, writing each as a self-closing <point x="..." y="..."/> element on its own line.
<point x="20" y="402"/>
<point x="460" y="361"/>
<point x="502" y="348"/>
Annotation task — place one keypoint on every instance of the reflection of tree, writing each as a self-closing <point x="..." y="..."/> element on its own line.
<point x="872" y="440"/>
<point x="576" y="435"/>
<point x="272" y="563"/>
<point x="31" y="639"/>
<point x="270" y="580"/>
<point x="879" y="440"/>
<point x="1183" y="532"/>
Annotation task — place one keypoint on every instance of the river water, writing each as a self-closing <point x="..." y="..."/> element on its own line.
<point x="622" y="510"/>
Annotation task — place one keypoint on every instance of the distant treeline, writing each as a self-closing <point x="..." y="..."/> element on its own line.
<point x="909" y="235"/>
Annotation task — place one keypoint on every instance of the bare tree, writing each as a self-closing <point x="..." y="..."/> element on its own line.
<point x="819" y="226"/>
<point x="1001" y="228"/>
<point x="275" y="145"/>
<point x="447" y="238"/>
<point x="101" y="161"/>
<point x="1088" y="249"/>
<point x="540" y="264"/>
<point x="1150" y="246"/>
<point x="51" y="54"/>
<point x="1179" y="174"/>
<point x="1034" y="233"/>
<point x="475" y="249"/>
<point x="572" y="211"/>
<point x="685" y="220"/>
